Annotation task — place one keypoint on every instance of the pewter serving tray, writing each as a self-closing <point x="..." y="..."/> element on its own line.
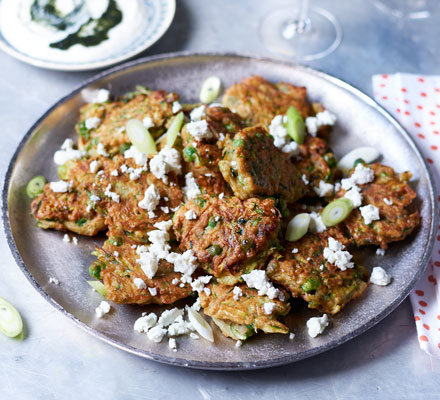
<point x="42" y="254"/>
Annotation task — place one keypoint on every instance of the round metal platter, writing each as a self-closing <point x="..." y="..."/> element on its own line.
<point x="160" y="14"/>
<point x="42" y="254"/>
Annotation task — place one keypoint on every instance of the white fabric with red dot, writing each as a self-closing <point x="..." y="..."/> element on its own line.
<point x="414" y="101"/>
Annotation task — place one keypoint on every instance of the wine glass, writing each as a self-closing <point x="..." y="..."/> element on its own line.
<point x="412" y="9"/>
<point x="301" y="32"/>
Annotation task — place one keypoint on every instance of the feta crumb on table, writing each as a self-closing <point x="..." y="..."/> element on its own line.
<point x="53" y="280"/>
<point x="172" y="344"/>
<point x="380" y="252"/>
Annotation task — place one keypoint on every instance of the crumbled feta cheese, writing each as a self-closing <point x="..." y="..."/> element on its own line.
<point x="197" y="305"/>
<point x="53" y="280"/>
<point x="164" y="225"/>
<point x="116" y="253"/>
<point x="191" y="189"/>
<point x="148" y="261"/>
<point x="60" y="186"/>
<point x="354" y="195"/>
<point x="139" y="157"/>
<point x="197" y="113"/>
<point x="153" y="291"/>
<point x="66" y="238"/>
<point x="360" y="176"/>
<point x="380" y="252"/>
<point x="172" y="344"/>
<point x="102" y="309"/>
<point x="316" y="224"/>
<point x="380" y="277"/>
<point x="207" y="291"/>
<point x="369" y="213"/>
<point x="199" y="284"/>
<point x="176" y="107"/>
<point x="304" y="179"/>
<point x="324" y="189"/>
<point x="269" y="308"/>
<point x="92" y="123"/>
<point x="316" y="325"/>
<point x="100" y="149"/>
<point x="221" y="195"/>
<point x="185" y="263"/>
<point x="190" y="214"/>
<point x="291" y="336"/>
<point x="387" y="201"/>
<point x="167" y="160"/>
<point x="180" y="327"/>
<point x="238" y="343"/>
<point x="199" y="130"/>
<point x="114" y="172"/>
<point x="175" y="281"/>
<point x="148" y="122"/>
<point x="278" y="130"/>
<point x="114" y="196"/>
<point x="321" y="267"/>
<point x="94" y="165"/>
<point x="257" y="279"/>
<point x="67" y="153"/>
<point x="291" y="149"/>
<point x="169" y="316"/>
<point x="94" y="199"/>
<point x="95" y="95"/>
<point x="211" y="105"/>
<point x="336" y="255"/>
<point x="144" y="323"/>
<point x="237" y="292"/>
<point x="140" y="284"/>
<point x="156" y="333"/>
<point x="159" y="243"/>
<point x="75" y="241"/>
<point x="295" y="250"/>
<point x="322" y="118"/>
<point x="151" y="198"/>
<point x="221" y="136"/>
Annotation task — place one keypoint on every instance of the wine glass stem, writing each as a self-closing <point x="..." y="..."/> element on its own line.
<point x="299" y="25"/>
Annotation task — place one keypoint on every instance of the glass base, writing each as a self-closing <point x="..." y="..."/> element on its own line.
<point x="316" y="37"/>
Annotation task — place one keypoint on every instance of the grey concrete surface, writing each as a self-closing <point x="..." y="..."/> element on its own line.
<point x="57" y="360"/>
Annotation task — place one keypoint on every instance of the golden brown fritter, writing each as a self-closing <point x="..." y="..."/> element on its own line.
<point x="244" y="315"/>
<point x="110" y="131"/>
<point x="316" y="163"/>
<point x="307" y="274"/>
<point x="259" y="101"/>
<point x="202" y="157"/>
<point x="396" y="220"/>
<point x="228" y="236"/>
<point x="126" y="216"/>
<point x="71" y="210"/>
<point x="253" y="166"/>
<point x="117" y="267"/>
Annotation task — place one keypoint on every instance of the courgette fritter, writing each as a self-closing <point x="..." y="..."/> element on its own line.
<point x="229" y="237"/>
<point x="253" y="166"/>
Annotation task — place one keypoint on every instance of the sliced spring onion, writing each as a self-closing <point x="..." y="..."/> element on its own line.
<point x="297" y="227"/>
<point x="10" y="321"/>
<point x="35" y="186"/>
<point x="295" y="125"/>
<point x="336" y="211"/>
<point x="174" y="129"/>
<point x="140" y="137"/>
<point x="368" y="154"/>
<point x="210" y="89"/>
<point x="98" y="286"/>
<point x="200" y="325"/>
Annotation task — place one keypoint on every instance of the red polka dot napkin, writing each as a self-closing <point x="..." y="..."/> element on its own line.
<point x="414" y="101"/>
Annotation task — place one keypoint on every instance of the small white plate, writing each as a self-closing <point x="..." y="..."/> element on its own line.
<point x="160" y="16"/>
